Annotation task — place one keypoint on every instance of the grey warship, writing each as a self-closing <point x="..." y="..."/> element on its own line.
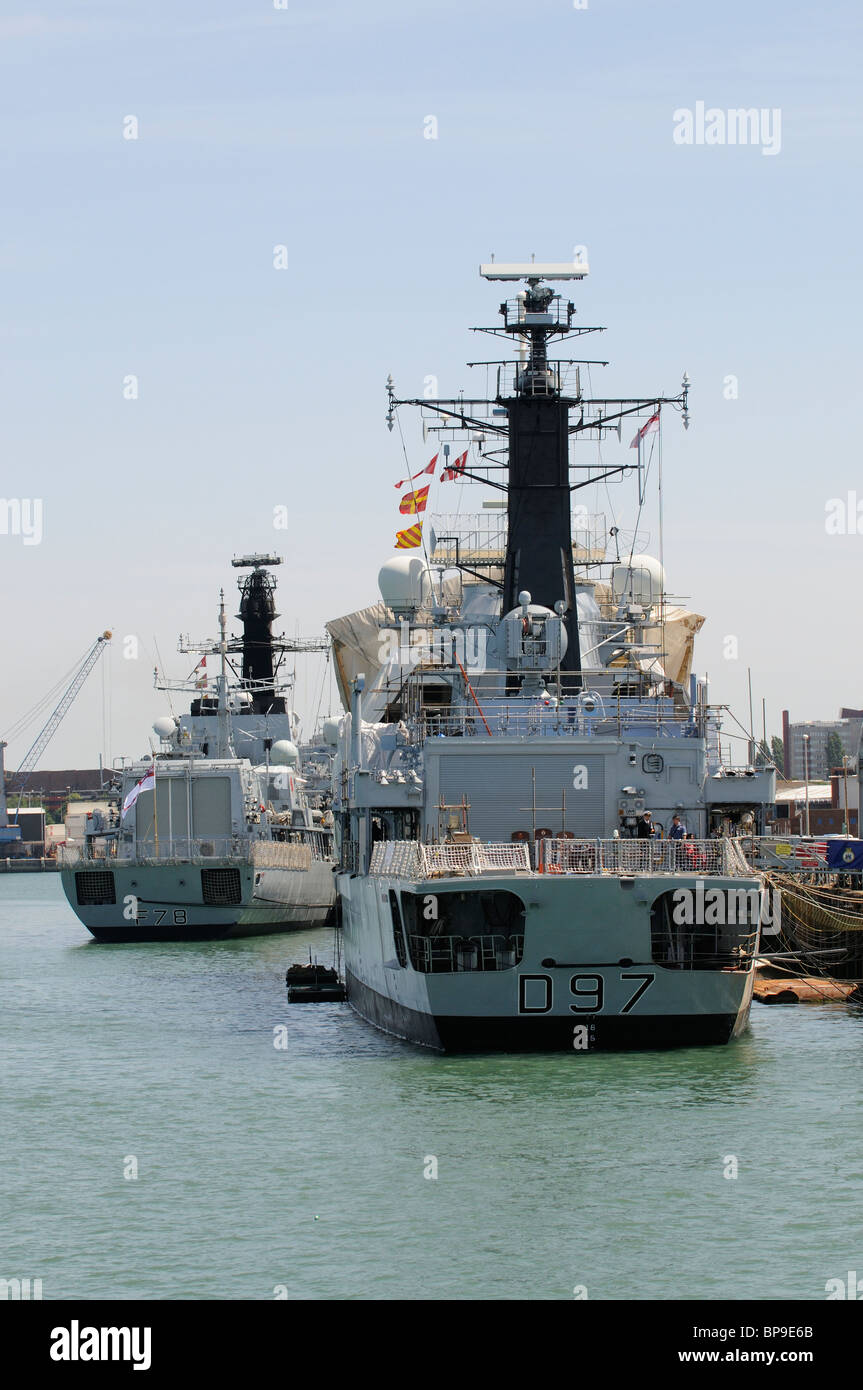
<point x="515" y="702"/>
<point x="219" y="832"/>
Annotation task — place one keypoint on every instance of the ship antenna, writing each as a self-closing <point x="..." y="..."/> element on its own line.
<point x="663" y="602"/>
<point x="162" y="666"/>
<point x="223" y="683"/>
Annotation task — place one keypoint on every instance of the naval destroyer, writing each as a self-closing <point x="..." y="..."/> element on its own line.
<point x="219" y="832"/>
<point x="522" y="727"/>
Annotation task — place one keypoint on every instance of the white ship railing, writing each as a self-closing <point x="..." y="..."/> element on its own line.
<point x="651" y="856"/>
<point x="410" y="859"/>
<point x="550" y="722"/>
<point x="263" y="854"/>
<point x="169" y="851"/>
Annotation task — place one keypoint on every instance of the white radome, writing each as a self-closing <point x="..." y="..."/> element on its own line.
<point x="406" y="583"/>
<point x="642" y="581"/>
<point x="284" y="753"/>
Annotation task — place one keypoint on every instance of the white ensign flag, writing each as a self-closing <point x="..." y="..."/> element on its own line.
<point x="652" y="424"/>
<point x="146" y="783"/>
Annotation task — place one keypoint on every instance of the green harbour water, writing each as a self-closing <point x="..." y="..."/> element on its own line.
<point x="302" y="1169"/>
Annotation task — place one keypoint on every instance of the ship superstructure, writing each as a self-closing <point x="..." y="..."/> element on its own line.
<point x="519" y="698"/>
<point x="216" y="833"/>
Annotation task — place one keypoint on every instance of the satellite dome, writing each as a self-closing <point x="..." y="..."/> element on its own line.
<point x="641" y="582"/>
<point x="406" y="583"/>
<point x="165" y="727"/>
<point x="284" y="753"/>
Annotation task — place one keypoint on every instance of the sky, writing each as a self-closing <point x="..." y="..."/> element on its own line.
<point x="167" y="387"/>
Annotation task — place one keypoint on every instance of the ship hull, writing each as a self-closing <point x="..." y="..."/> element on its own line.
<point x="587" y="980"/>
<point x="168" y="902"/>
<point x="478" y="1033"/>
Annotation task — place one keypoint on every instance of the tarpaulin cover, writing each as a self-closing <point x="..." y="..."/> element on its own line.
<point x="845" y="854"/>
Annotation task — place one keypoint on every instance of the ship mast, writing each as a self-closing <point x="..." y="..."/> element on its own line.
<point x="225" y="750"/>
<point x="539" y="520"/>
<point x="258" y="613"/>
<point x="261" y="652"/>
<point x="540" y="419"/>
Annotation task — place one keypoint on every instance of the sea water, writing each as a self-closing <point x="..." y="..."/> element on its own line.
<point x="173" y="1129"/>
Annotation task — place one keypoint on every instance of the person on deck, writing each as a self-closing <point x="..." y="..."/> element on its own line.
<point x="644" y="827"/>
<point x="678" y="834"/>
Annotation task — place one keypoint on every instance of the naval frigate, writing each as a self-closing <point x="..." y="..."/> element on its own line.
<point x="225" y="829"/>
<point x="538" y="827"/>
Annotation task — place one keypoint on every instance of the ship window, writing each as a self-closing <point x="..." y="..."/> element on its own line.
<point x="398" y="934"/>
<point x="455" y="931"/>
<point x="439" y="695"/>
<point x="405" y="825"/>
<point x="705" y="929"/>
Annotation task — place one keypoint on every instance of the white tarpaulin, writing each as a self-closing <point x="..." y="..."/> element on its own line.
<point x="357" y="646"/>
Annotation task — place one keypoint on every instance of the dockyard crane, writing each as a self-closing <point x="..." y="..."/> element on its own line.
<point x="37" y="748"/>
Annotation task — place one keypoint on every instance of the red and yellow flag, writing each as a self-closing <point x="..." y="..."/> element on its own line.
<point x="414" y="502"/>
<point x="410" y="539"/>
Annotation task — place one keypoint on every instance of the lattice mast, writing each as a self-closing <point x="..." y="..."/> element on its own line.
<point x="540" y="419"/>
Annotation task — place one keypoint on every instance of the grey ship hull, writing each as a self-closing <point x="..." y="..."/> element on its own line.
<point x="473" y="1033"/>
<point x="166" y="902"/>
<point x="578" y="931"/>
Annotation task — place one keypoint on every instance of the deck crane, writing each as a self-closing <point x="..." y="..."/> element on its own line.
<point x="37" y="748"/>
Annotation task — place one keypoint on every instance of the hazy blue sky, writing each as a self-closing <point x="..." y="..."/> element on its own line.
<point x="260" y="387"/>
